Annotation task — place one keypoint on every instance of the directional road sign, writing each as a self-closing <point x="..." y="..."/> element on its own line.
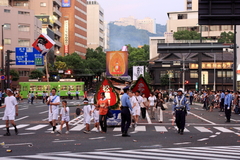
<point x="28" y="56"/>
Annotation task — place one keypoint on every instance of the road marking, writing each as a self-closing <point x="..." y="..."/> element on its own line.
<point x="202" y="118"/>
<point x="97" y="138"/>
<point x="22" y="109"/>
<point x="117" y="135"/>
<point x="203" y="129"/>
<point x="23" y="134"/>
<point x="181" y="143"/>
<point x="45" y="119"/>
<point x="2" y="126"/>
<point x="108" y="149"/>
<point x="43" y="112"/>
<point x="21" y="118"/>
<point x="213" y="136"/>
<point x="185" y="130"/>
<point x="37" y="127"/>
<point x="118" y="129"/>
<point x="140" y="128"/>
<point x="161" y="129"/>
<point x="203" y="139"/>
<point x="78" y="128"/>
<point x="20" y="126"/>
<point x="224" y="130"/>
<point x="148" y="118"/>
<point x="63" y="141"/>
<point x="81" y="156"/>
<point x="237" y="128"/>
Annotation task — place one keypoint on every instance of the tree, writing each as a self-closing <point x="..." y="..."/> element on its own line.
<point x="186" y="35"/>
<point x="59" y="65"/>
<point x="138" y="56"/>
<point x="35" y="74"/>
<point x="164" y="80"/>
<point x="226" y="37"/>
<point x="14" y="74"/>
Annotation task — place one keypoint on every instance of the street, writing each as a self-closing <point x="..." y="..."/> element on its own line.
<point x="206" y="136"/>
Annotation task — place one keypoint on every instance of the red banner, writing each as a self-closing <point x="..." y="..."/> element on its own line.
<point x="142" y="86"/>
<point x="66" y="49"/>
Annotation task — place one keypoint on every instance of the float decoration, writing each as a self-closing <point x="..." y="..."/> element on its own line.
<point x="142" y="86"/>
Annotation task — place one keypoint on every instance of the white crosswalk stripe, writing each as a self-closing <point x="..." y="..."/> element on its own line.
<point x="203" y="129"/>
<point x="224" y="130"/>
<point x="210" y="153"/>
<point x="37" y="127"/>
<point x="185" y="130"/>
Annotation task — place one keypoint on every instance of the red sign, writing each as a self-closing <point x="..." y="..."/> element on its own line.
<point x="141" y="86"/>
<point x="109" y="94"/>
<point x="66" y="49"/>
<point x="43" y="43"/>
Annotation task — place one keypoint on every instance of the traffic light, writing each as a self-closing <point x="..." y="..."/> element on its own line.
<point x="186" y="81"/>
<point x="68" y="72"/>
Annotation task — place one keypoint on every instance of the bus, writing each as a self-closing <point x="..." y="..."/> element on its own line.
<point x="62" y="88"/>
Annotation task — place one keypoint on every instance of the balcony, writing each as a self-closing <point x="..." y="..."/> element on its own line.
<point x="57" y="22"/>
<point x="57" y="33"/>
<point x="57" y="2"/>
<point x="57" y="12"/>
<point x="59" y="44"/>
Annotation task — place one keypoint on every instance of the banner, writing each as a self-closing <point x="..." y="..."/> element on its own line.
<point x="43" y="44"/>
<point x="142" y="86"/>
<point x="66" y="3"/>
<point x="117" y="63"/>
<point x="137" y="71"/>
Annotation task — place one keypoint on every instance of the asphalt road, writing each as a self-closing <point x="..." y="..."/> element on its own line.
<point x="206" y="136"/>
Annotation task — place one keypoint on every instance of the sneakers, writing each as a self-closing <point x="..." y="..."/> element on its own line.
<point x="59" y="132"/>
<point x="86" y="132"/>
<point x="7" y="134"/>
<point x="52" y="132"/>
<point x="67" y="132"/>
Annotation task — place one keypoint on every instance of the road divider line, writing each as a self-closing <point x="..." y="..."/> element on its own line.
<point x="108" y="149"/>
<point x="43" y="112"/>
<point x="62" y="141"/>
<point x="97" y="138"/>
<point x="21" y="118"/>
<point x="202" y="118"/>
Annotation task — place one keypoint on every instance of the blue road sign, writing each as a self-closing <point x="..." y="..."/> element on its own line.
<point x="28" y="56"/>
<point x="2" y="77"/>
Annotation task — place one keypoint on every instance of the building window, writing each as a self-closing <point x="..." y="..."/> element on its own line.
<point x="24" y="13"/>
<point x="229" y="74"/>
<point x="177" y="74"/>
<point x="7" y="26"/>
<point x="43" y="4"/>
<point x="182" y="16"/>
<point x="7" y="41"/>
<point x="24" y="27"/>
<point x="23" y="73"/>
<point x="221" y="74"/>
<point x="193" y="74"/>
<point x="215" y="28"/>
<point x="162" y="73"/>
<point x="226" y="27"/>
<point x="24" y="42"/>
<point x="7" y="10"/>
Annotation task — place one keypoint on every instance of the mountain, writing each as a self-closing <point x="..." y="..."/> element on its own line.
<point x="122" y="35"/>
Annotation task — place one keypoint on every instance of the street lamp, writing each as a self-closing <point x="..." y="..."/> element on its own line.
<point x="2" y="57"/>
<point x="170" y="75"/>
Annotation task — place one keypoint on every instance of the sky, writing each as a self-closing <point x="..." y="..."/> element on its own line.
<point x="156" y="9"/>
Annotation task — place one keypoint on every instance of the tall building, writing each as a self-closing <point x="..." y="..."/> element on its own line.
<point x="48" y="11"/>
<point x="106" y="36"/>
<point x="95" y="25"/>
<point x="74" y="20"/>
<point x="20" y="29"/>
<point x="148" y="24"/>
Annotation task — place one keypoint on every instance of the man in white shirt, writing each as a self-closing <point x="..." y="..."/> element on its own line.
<point x="53" y="102"/>
<point x="135" y="107"/>
<point x="11" y="110"/>
<point x="138" y="109"/>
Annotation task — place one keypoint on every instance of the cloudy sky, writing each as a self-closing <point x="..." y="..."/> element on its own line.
<point x="157" y="9"/>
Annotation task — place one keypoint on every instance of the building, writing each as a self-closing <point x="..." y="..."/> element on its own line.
<point x="191" y="5"/>
<point x="146" y="23"/>
<point x="216" y="67"/>
<point x="106" y="36"/>
<point x="95" y="25"/>
<point x="20" y="29"/>
<point x="74" y="30"/>
<point x="48" y="11"/>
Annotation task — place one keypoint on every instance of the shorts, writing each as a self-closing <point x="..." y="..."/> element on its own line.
<point x="66" y="119"/>
<point x="10" y="117"/>
<point x="53" y="116"/>
<point x="87" y="120"/>
<point x="96" y="120"/>
<point x="136" y="111"/>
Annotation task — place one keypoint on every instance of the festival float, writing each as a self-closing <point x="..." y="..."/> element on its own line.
<point x="142" y="86"/>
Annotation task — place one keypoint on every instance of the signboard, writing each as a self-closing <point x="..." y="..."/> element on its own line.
<point x="66" y="3"/>
<point x="66" y="40"/>
<point x="137" y="71"/>
<point x="204" y="77"/>
<point x="44" y="19"/>
<point x="43" y="44"/>
<point x="117" y="63"/>
<point x="28" y="56"/>
<point x="2" y="77"/>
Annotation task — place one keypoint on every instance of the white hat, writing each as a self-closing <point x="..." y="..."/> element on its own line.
<point x="180" y="90"/>
<point x="8" y="89"/>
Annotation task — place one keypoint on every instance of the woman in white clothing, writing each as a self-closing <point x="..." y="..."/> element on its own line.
<point x="160" y="102"/>
<point x="152" y="99"/>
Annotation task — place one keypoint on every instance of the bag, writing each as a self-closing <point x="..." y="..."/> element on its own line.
<point x="165" y="106"/>
<point x="78" y="111"/>
<point x="162" y="107"/>
<point x="109" y="113"/>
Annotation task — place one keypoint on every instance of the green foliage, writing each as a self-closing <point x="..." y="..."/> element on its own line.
<point x="35" y="74"/>
<point x="164" y="80"/>
<point x="226" y="37"/>
<point x="186" y="35"/>
<point x="138" y="56"/>
<point x="121" y="35"/>
<point x="59" y="65"/>
<point x="14" y="74"/>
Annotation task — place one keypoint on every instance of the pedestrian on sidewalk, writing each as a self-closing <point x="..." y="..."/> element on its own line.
<point x="180" y="109"/>
<point x="159" y="107"/>
<point x="11" y="110"/>
<point x="65" y="118"/>
<point x="152" y="99"/>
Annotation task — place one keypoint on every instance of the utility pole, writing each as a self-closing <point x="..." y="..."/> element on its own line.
<point x="8" y="60"/>
<point x="2" y="57"/>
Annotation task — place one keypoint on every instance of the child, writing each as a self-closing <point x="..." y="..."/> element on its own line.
<point x="87" y="115"/>
<point x="96" y="117"/>
<point x="64" y="114"/>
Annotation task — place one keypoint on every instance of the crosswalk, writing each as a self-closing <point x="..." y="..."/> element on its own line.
<point x="210" y="153"/>
<point x="140" y="128"/>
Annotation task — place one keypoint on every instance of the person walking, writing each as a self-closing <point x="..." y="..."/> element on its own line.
<point x="143" y="106"/>
<point x="126" y="108"/>
<point x="190" y="97"/>
<point x="53" y="102"/>
<point x="227" y="105"/>
<point x="222" y="96"/>
<point x="103" y="109"/>
<point x="77" y="94"/>
<point x="180" y="109"/>
<point x="11" y="110"/>
<point x="152" y="99"/>
<point x="44" y="97"/>
<point x="32" y="97"/>
<point x="159" y="106"/>
<point x="211" y="99"/>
